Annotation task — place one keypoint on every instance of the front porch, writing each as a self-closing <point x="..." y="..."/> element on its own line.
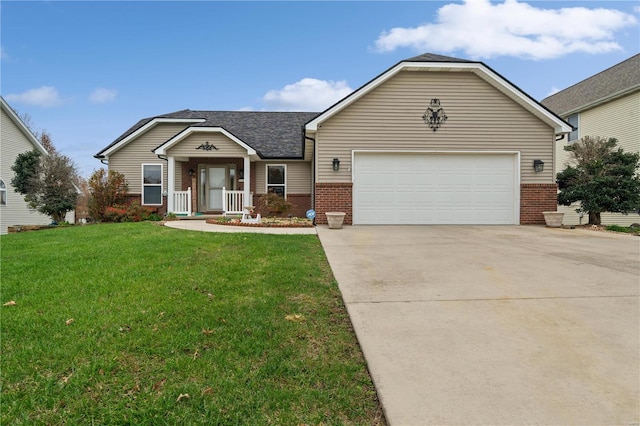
<point x="233" y="203"/>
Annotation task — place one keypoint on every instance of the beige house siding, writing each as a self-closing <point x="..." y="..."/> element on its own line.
<point x="480" y="118"/>
<point x="616" y="119"/>
<point x="298" y="176"/>
<point x="16" y="212"/>
<point x="226" y="147"/>
<point x="128" y="160"/>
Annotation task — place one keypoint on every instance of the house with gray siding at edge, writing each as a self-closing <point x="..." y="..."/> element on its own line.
<point x="431" y="140"/>
<point x="15" y="138"/>
<point x="606" y="104"/>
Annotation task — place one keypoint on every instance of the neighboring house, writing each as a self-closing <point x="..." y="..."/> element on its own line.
<point x="15" y="138"/>
<point x="432" y="140"/>
<point x="608" y="105"/>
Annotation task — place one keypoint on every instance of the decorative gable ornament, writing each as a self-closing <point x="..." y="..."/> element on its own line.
<point x="207" y="147"/>
<point x="434" y="116"/>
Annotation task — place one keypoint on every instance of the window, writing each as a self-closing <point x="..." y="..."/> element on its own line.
<point x="573" y="120"/>
<point x="3" y="193"/>
<point x="276" y="179"/>
<point x="152" y="184"/>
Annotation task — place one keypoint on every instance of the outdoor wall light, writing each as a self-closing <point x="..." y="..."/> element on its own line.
<point x="192" y="172"/>
<point x="336" y="164"/>
<point x="538" y="165"/>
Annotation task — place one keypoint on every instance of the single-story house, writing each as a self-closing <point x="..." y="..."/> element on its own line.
<point x="431" y="140"/>
<point x="15" y="139"/>
<point x="606" y="104"/>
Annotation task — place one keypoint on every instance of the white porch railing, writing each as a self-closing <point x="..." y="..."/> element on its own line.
<point x="233" y="202"/>
<point x="182" y="202"/>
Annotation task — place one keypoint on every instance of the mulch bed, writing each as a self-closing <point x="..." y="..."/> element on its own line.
<point x="266" y="223"/>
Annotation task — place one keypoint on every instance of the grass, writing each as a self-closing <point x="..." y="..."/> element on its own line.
<point x="618" y="228"/>
<point x="136" y="323"/>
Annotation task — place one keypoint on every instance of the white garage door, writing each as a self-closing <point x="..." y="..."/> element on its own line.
<point x="391" y="189"/>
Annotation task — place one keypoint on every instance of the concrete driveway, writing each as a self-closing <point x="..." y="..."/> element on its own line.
<point x="494" y="325"/>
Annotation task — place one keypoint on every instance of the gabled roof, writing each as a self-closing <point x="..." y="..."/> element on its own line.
<point x="619" y="80"/>
<point x="13" y="116"/>
<point x="162" y="149"/>
<point x="433" y="62"/>
<point x="270" y="134"/>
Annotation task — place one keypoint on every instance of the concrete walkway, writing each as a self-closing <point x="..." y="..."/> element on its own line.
<point x="201" y="225"/>
<point x="468" y="325"/>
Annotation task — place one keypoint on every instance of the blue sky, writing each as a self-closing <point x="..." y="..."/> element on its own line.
<point x="87" y="71"/>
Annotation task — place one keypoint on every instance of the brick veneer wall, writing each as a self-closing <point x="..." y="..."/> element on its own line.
<point x="334" y="197"/>
<point x="536" y="198"/>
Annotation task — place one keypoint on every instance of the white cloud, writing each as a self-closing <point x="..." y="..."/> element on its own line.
<point x="485" y="30"/>
<point x="308" y="94"/>
<point x="46" y="96"/>
<point x="102" y="95"/>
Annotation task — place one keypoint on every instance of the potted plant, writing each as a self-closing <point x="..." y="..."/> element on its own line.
<point x="335" y="219"/>
<point x="553" y="219"/>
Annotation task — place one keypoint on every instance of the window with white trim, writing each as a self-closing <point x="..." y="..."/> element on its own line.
<point x="152" y="184"/>
<point x="3" y="193"/>
<point x="276" y="179"/>
<point x="573" y="120"/>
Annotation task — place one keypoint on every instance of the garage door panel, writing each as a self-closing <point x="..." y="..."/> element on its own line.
<point x="434" y="189"/>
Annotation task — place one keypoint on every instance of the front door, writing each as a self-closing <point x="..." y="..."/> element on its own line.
<point x="212" y="180"/>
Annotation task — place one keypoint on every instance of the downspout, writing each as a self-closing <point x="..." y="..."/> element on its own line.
<point x="313" y="172"/>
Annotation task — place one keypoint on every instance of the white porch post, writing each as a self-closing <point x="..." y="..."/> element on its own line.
<point x="247" y="181"/>
<point x="171" y="183"/>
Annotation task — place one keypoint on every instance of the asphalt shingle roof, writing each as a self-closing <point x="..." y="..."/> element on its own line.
<point x="432" y="57"/>
<point x="271" y="134"/>
<point x="618" y="79"/>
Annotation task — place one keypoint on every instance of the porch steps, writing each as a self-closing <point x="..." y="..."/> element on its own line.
<point x="199" y="217"/>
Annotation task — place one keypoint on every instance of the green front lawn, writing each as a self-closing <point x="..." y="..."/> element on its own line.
<point x="136" y="323"/>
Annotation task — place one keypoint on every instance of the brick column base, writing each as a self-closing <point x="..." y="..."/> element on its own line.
<point x="536" y="198"/>
<point x="334" y="197"/>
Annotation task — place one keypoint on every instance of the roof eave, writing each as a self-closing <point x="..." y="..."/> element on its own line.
<point x="105" y="153"/>
<point x="13" y="116"/>
<point x="163" y="148"/>
<point x="478" y="68"/>
<point x="603" y="100"/>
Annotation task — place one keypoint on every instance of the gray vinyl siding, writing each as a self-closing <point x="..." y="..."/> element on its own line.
<point x="298" y="177"/>
<point x="480" y="118"/>
<point x="615" y="119"/>
<point x="128" y="160"/>
<point x="226" y="147"/>
<point x="16" y="211"/>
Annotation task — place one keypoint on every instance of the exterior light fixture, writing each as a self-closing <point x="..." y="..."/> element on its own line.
<point x="538" y="165"/>
<point x="336" y="164"/>
<point x="192" y="172"/>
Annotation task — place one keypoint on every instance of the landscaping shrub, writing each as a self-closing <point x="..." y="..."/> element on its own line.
<point x="133" y="212"/>
<point x="108" y="191"/>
